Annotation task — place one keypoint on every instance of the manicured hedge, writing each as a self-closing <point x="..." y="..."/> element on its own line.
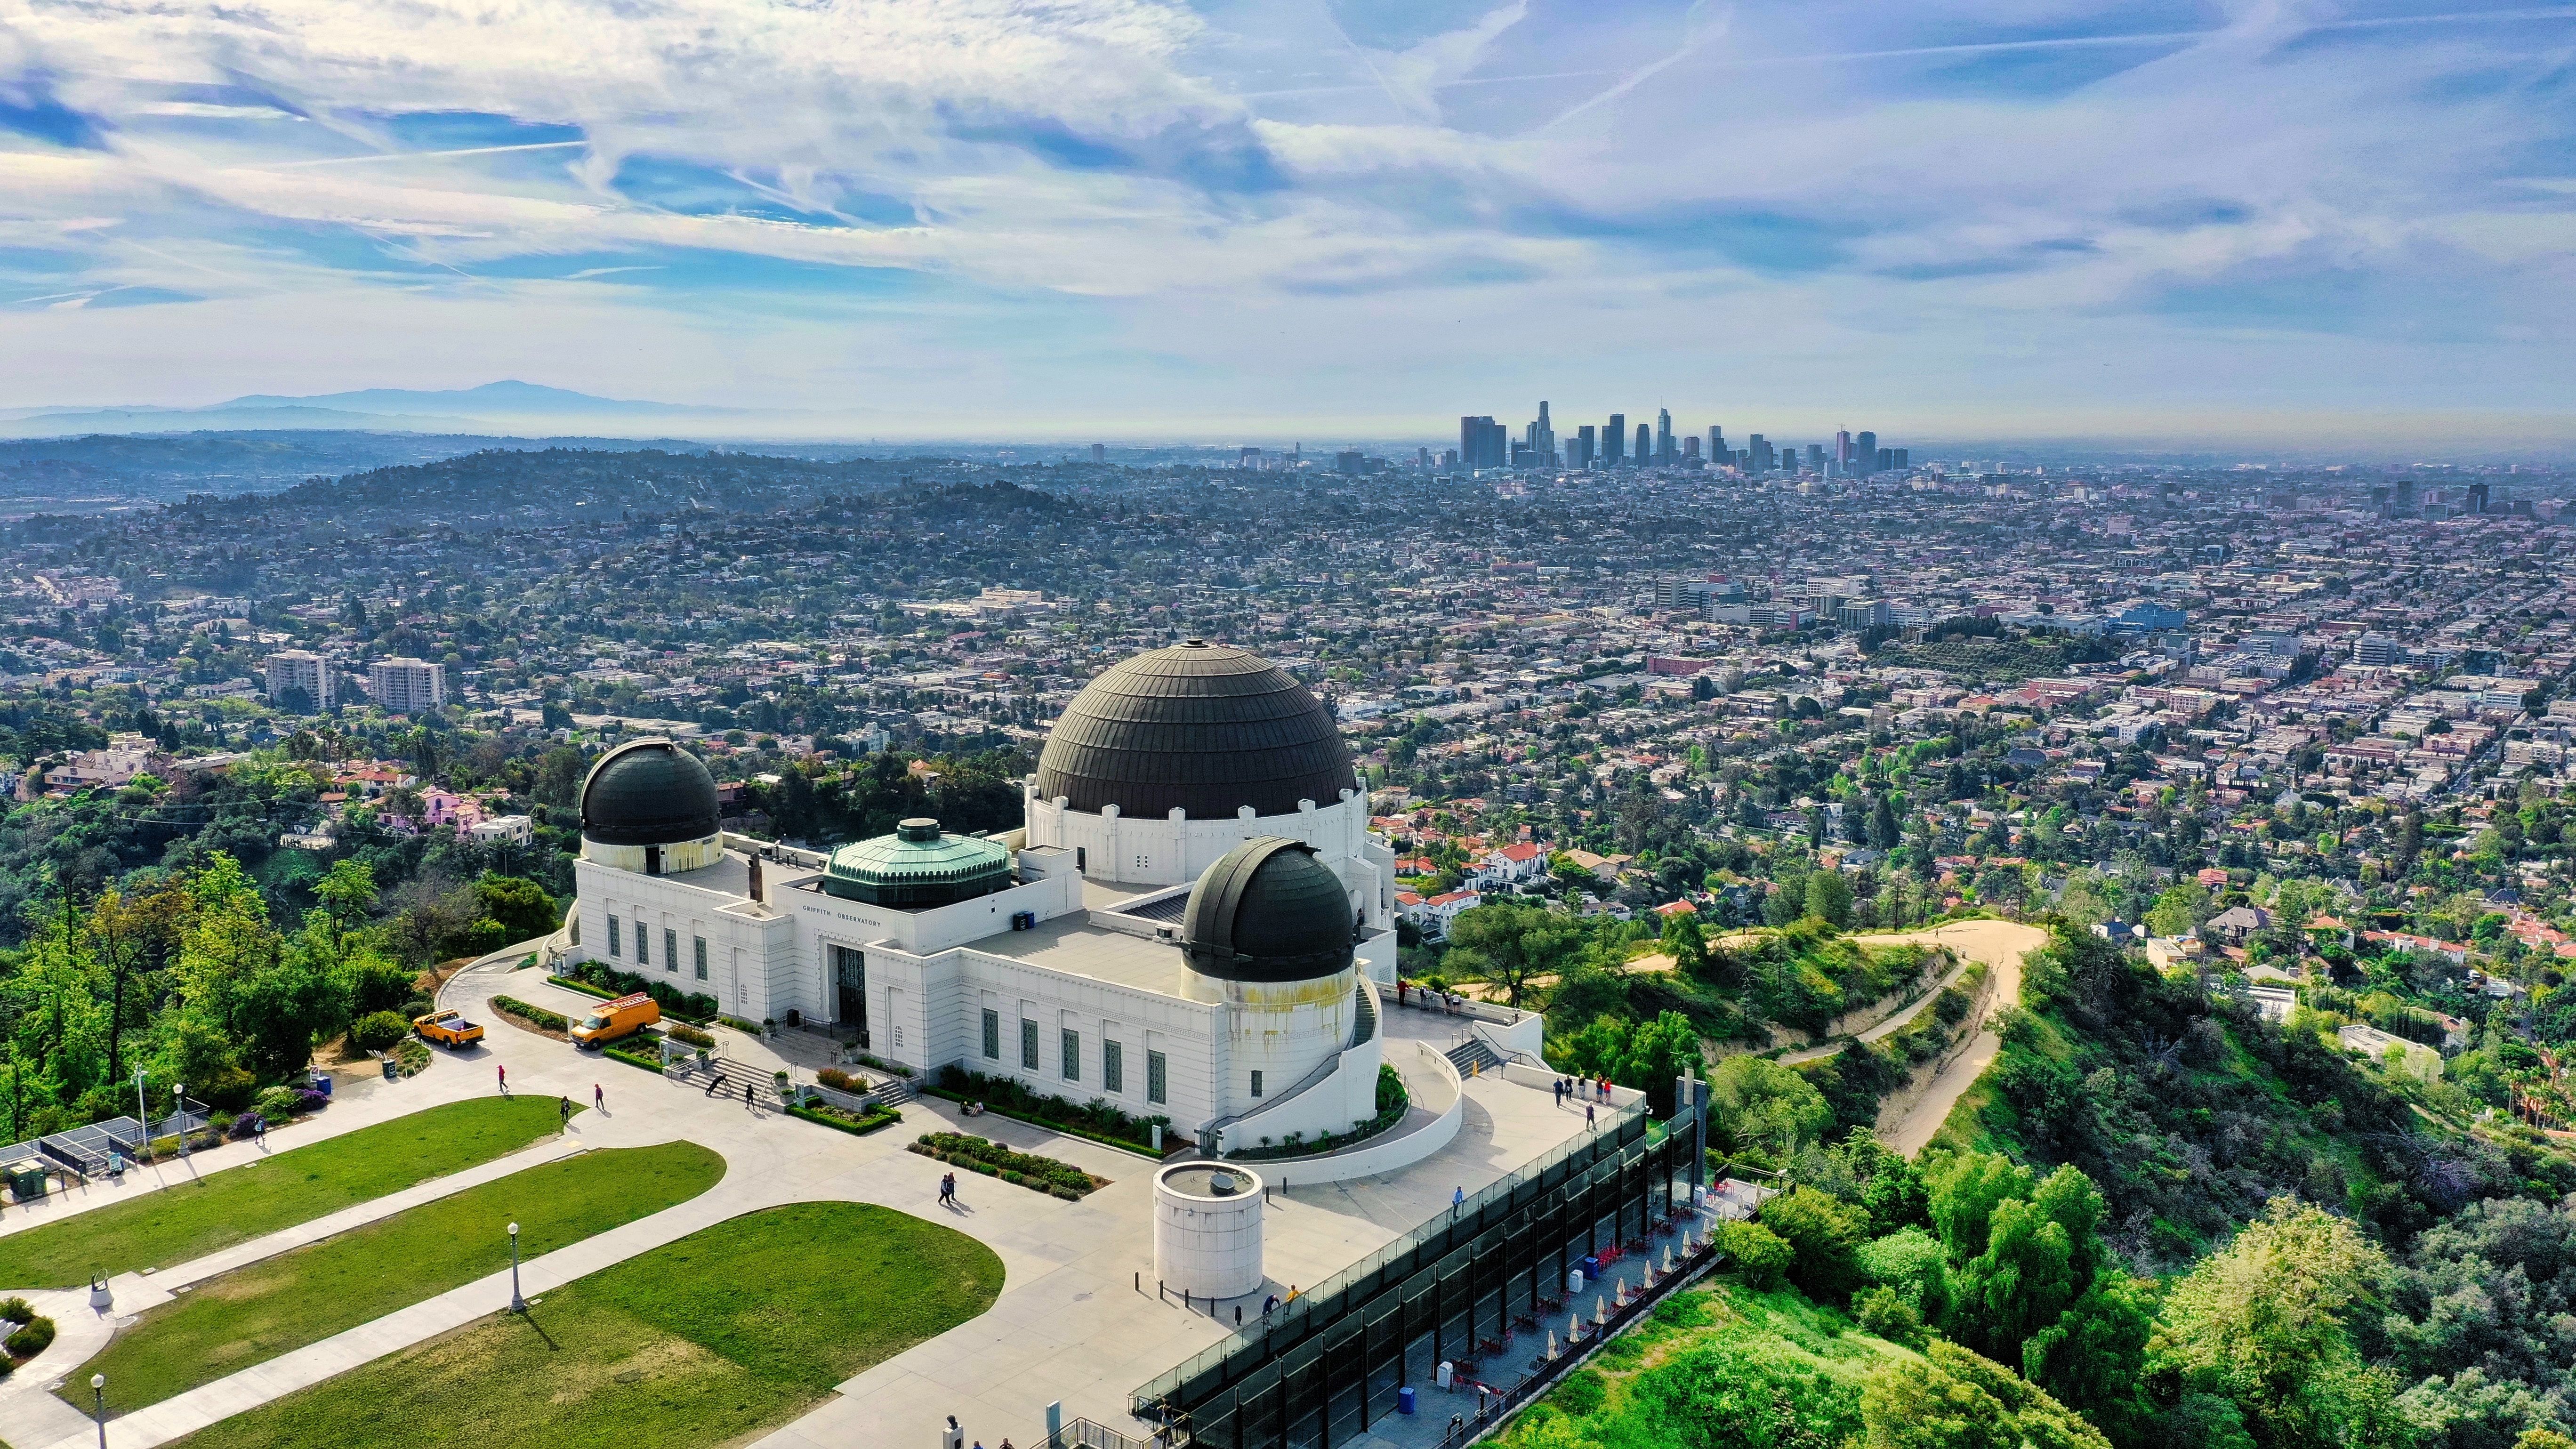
<point x="1044" y="1174"/>
<point x="831" y="1117"/>
<point x="536" y="1016"/>
<point x="632" y="1059"/>
<point x="594" y="978"/>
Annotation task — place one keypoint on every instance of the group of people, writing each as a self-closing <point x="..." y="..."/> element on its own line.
<point x="1447" y="1001"/>
<point x="1586" y="1090"/>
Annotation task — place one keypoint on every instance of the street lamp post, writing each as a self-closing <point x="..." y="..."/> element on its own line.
<point x="179" y="1106"/>
<point x="517" y="1303"/>
<point x="98" y="1391"/>
<point x="143" y="1112"/>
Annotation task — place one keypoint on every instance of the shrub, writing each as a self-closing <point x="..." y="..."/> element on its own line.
<point x="1095" y="1118"/>
<point x="1827" y="1235"/>
<point x="841" y="1081"/>
<point x="31" y="1340"/>
<point x="536" y="1016"/>
<point x="1761" y="1255"/>
<point x="600" y="976"/>
<point x="682" y="1031"/>
<point x="308" y="1100"/>
<point x="276" y="1104"/>
<point x="992" y="1158"/>
<point x="377" y="1030"/>
<point x="1884" y="1312"/>
<point x="15" y="1309"/>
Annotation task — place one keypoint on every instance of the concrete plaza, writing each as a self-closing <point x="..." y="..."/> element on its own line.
<point x="1078" y="1323"/>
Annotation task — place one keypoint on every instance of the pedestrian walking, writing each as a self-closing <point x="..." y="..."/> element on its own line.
<point x="1457" y="1200"/>
<point x="746" y="1096"/>
<point x="1587" y="1117"/>
<point x="948" y="1190"/>
<point x="504" y="1077"/>
<point x="259" y="1130"/>
<point x="565" y="1108"/>
<point x="599" y="1096"/>
<point x="1268" y="1304"/>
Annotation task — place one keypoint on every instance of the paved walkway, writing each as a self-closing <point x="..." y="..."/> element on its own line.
<point x="1065" y="1329"/>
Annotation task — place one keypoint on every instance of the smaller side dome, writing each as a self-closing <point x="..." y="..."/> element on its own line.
<point x="1268" y="910"/>
<point x="918" y="867"/>
<point x="649" y="792"/>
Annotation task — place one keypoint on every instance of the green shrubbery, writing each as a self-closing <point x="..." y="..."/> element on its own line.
<point x="536" y="1016"/>
<point x="1095" y="1118"/>
<point x="1392" y="1103"/>
<point x="859" y="1123"/>
<point x="995" y="1160"/>
<point x="378" y="1031"/>
<point x="34" y="1331"/>
<point x="599" y="976"/>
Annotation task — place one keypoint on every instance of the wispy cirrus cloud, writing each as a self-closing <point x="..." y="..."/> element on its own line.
<point x="1094" y="208"/>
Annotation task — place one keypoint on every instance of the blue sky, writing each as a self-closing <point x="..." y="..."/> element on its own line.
<point x="1312" y="218"/>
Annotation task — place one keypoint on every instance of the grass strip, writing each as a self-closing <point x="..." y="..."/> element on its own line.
<point x="188" y="1220"/>
<point x="280" y="1304"/>
<point x="730" y="1331"/>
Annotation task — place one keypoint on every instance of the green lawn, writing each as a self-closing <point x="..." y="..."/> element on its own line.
<point x="709" y="1340"/>
<point x="280" y="1304"/>
<point x="186" y="1221"/>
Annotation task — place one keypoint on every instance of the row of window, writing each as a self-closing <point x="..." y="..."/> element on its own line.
<point x="644" y="947"/>
<point x="1113" y="1057"/>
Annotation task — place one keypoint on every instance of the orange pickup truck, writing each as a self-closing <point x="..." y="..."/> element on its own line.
<point x="448" y="1028"/>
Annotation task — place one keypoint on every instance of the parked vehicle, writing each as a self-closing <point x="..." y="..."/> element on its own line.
<point x="612" y="1020"/>
<point x="448" y="1028"/>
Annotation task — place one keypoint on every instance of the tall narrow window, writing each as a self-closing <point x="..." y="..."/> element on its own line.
<point x="1073" y="1056"/>
<point x="992" y="1034"/>
<point x="643" y="945"/>
<point x="1029" y="1045"/>
<point x="1113" y="1067"/>
<point x="1256" y="1084"/>
<point x="1153" y="1076"/>
<point x="613" y="924"/>
<point x="702" y="956"/>
<point x="671" y="951"/>
<point x="850" y="986"/>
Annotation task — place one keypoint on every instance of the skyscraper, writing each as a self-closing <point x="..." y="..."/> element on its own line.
<point x="1645" y="440"/>
<point x="1842" y="452"/>
<point x="2477" y="498"/>
<point x="1757" y="454"/>
<point x="1816" y="458"/>
<point x="1099" y="453"/>
<point x="1482" y="443"/>
<point x="1613" y="439"/>
<point x="1865" y="454"/>
<point x="1716" y="445"/>
<point x="1586" y="440"/>
<point x="1543" y="437"/>
<point x="1664" y="435"/>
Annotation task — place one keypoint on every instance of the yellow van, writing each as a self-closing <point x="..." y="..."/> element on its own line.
<point x="623" y="1017"/>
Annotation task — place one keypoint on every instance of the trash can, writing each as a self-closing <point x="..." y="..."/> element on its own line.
<point x="1592" y="1269"/>
<point x="1404" y="1399"/>
<point x="322" y="1083"/>
<point x="1445" y="1376"/>
<point x="390" y="1071"/>
<point x="1573" y="1281"/>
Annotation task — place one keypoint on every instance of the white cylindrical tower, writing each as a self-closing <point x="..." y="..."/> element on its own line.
<point x="1207" y="1229"/>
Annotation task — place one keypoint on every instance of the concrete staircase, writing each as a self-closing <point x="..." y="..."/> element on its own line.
<point x="1474" y="1055"/>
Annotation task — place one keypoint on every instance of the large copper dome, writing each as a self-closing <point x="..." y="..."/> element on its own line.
<point x="1208" y="728"/>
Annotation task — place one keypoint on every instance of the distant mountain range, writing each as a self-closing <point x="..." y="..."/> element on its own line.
<point x="506" y="409"/>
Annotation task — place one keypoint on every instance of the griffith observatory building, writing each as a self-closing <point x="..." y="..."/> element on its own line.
<point x="1192" y="921"/>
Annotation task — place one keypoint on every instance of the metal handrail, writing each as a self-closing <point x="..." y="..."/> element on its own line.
<point x="1290" y="1320"/>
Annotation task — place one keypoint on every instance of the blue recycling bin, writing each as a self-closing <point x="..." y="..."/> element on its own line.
<point x="322" y="1083"/>
<point x="1404" y="1399"/>
<point x="1591" y="1269"/>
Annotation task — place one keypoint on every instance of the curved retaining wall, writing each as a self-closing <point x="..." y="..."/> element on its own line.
<point x="1386" y="1154"/>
